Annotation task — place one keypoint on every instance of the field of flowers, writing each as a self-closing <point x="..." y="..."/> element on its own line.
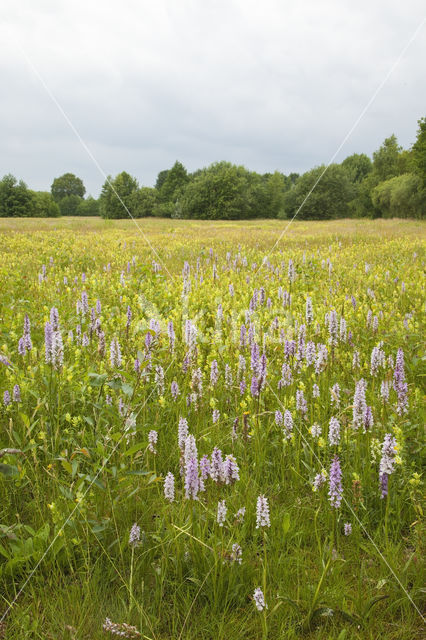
<point x="204" y="435"/>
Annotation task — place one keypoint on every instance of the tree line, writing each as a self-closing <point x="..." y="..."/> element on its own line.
<point x="390" y="184"/>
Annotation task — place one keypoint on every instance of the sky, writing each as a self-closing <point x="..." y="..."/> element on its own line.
<point x="95" y="88"/>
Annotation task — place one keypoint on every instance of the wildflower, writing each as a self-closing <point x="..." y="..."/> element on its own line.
<point x="159" y="379"/>
<point x="259" y="599"/>
<point x="368" y="419"/>
<point x="214" y="373"/>
<point x="231" y="471"/>
<point x="319" y="480"/>
<point x="288" y="424"/>
<point x="334" y="432"/>
<point x="239" y="516"/>
<point x="384" y="390"/>
<point x="399" y="383"/>
<point x="315" y="430"/>
<point x="216" y="415"/>
<point x="221" y="512"/>
<point x="310" y="353"/>
<point x="278" y="418"/>
<point x="48" y="338"/>
<point x="152" y="439"/>
<point x="115" y="354"/>
<point x="301" y="404"/>
<point x="27" y="344"/>
<point x="236" y="553"/>
<point x="6" y="399"/>
<point x="359" y="404"/>
<point x="192" y="484"/>
<point x="121" y="629"/>
<point x="169" y="487"/>
<point x="315" y="391"/>
<point x="309" y="314"/>
<point x="335" y="483"/>
<point x="204" y="467"/>
<point x="387" y="462"/>
<point x="347" y="528"/>
<point x="254" y="387"/>
<point x="57" y="350"/>
<point x="135" y="535"/>
<point x="16" y="393"/>
<point x="174" y="389"/>
<point x="335" y="394"/>
<point x="216" y="466"/>
<point x="262" y="512"/>
<point x="182" y="432"/>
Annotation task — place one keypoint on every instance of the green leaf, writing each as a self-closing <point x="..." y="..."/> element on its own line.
<point x="135" y="448"/>
<point x="286" y="523"/>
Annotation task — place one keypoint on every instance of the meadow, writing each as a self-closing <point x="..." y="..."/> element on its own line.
<point x="206" y="433"/>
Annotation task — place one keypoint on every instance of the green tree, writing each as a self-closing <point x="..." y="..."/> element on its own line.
<point x="357" y="167"/>
<point x="69" y="205"/>
<point x="174" y="183"/>
<point x="400" y="197"/>
<point x="418" y="152"/>
<point x="117" y="197"/>
<point x="43" y="205"/>
<point x="145" y="202"/>
<point x="223" y="191"/>
<point x="15" y="198"/>
<point x="67" y="185"/>
<point x="88" y="207"/>
<point x="320" y="198"/>
<point x="386" y="161"/>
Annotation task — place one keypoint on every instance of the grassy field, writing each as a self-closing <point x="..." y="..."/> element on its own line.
<point x="276" y="382"/>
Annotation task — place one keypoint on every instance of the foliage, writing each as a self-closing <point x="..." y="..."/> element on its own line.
<point x="320" y="194"/>
<point x="67" y="185"/>
<point x="15" y="198"/>
<point x="118" y="196"/>
<point x="69" y="205"/>
<point x="145" y="202"/>
<point x="400" y="197"/>
<point x="357" y="167"/>
<point x="43" y="205"/>
<point x="88" y="207"/>
<point x="172" y="183"/>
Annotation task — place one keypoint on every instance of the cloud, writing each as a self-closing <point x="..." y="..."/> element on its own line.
<point x="272" y="85"/>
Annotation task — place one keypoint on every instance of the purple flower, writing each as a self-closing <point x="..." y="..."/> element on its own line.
<point x="216" y="466"/>
<point x="254" y="387"/>
<point x="359" y="404"/>
<point x="182" y="432"/>
<point x="278" y="418"/>
<point x="152" y="440"/>
<point x="288" y="424"/>
<point x="192" y="484"/>
<point x="309" y="311"/>
<point x="231" y="471"/>
<point x="236" y="553"/>
<point x="399" y="383"/>
<point x="169" y="487"/>
<point x="259" y="599"/>
<point x="174" y="389"/>
<point x="319" y="480"/>
<point x="335" y="483"/>
<point x="115" y="354"/>
<point x="347" y="528"/>
<point x="205" y="467"/>
<point x="6" y="399"/>
<point x="27" y="334"/>
<point x="221" y="512"/>
<point x="262" y="512"/>
<point x="214" y="373"/>
<point x="387" y="462"/>
<point x="334" y="432"/>
<point x="135" y="535"/>
<point x="239" y="516"/>
<point x="16" y="393"/>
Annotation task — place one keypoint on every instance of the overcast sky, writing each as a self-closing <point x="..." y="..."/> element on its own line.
<point x="269" y="84"/>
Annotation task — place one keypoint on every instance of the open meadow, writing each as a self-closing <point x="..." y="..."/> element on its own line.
<point x="209" y="434"/>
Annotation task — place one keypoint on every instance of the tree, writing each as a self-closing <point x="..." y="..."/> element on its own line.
<point x="223" y="191"/>
<point x="67" y="185"/>
<point x="88" y="207"/>
<point x="386" y="163"/>
<point x="328" y="199"/>
<point x="145" y="202"/>
<point x="173" y="184"/>
<point x="43" y="205"/>
<point x="117" y="198"/>
<point x="357" y="167"/>
<point x="69" y="205"/>
<point x="418" y="152"/>
<point x="400" y="197"/>
<point x="15" y="198"/>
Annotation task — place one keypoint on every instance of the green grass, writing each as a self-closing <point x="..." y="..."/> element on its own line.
<point x="69" y="499"/>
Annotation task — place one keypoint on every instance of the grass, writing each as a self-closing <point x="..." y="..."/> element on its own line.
<point x="85" y="473"/>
